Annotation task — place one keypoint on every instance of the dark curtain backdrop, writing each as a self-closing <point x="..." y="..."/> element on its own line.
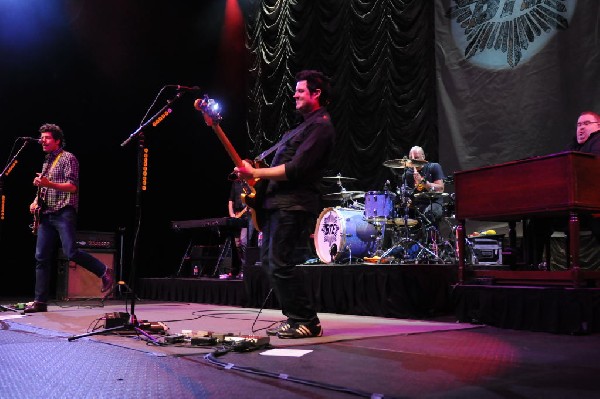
<point x="380" y="57"/>
<point x="95" y="67"/>
<point x="513" y="77"/>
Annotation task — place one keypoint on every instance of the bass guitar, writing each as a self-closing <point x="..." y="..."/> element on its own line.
<point x="254" y="189"/>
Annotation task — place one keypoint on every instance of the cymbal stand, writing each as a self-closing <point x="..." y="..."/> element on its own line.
<point x="424" y="251"/>
<point x="431" y="237"/>
<point x="351" y="204"/>
<point x="405" y="205"/>
<point x="379" y="239"/>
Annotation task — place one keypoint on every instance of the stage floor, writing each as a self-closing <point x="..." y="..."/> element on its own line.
<point x="399" y="358"/>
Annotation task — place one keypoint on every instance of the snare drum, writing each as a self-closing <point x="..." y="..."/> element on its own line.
<point x="379" y="206"/>
<point x="410" y="211"/>
<point x="342" y="233"/>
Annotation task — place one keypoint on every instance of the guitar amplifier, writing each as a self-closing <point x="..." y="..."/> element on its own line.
<point x="76" y="282"/>
<point x="96" y="240"/>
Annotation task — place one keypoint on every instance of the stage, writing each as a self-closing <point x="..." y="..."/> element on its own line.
<point x="398" y="291"/>
<point x="401" y="291"/>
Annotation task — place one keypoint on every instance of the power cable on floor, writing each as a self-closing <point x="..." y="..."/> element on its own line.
<point x="230" y="366"/>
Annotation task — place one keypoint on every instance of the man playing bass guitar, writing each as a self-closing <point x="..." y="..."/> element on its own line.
<point x="291" y="202"/>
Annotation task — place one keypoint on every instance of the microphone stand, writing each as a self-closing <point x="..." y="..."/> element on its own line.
<point x="10" y="165"/>
<point x="142" y="168"/>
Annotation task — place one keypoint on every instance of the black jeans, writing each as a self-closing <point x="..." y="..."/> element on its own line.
<point x="284" y="234"/>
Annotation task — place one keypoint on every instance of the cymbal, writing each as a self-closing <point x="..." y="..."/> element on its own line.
<point x="415" y="163"/>
<point x="431" y="194"/>
<point x="340" y="178"/>
<point x="344" y="195"/>
<point x="404" y="163"/>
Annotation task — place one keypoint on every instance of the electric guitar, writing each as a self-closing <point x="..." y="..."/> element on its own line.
<point x="37" y="213"/>
<point x="254" y="189"/>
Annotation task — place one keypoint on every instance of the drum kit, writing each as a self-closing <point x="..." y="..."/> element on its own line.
<point x="385" y="226"/>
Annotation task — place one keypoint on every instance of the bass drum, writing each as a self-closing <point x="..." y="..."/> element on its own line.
<point x="342" y="233"/>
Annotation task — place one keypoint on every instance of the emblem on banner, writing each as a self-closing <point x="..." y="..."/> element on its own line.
<point x="503" y="33"/>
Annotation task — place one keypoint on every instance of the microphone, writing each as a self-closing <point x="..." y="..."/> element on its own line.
<point x="185" y="88"/>
<point x="36" y="139"/>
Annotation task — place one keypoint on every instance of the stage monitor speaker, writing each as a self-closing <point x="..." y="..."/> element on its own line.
<point x="76" y="282"/>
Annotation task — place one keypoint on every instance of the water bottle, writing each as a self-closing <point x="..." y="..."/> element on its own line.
<point x="260" y="239"/>
<point x="195" y="271"/>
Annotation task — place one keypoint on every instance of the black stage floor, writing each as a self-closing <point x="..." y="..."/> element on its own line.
<point x="524" y="358"/>
<point x="38" y="361"/>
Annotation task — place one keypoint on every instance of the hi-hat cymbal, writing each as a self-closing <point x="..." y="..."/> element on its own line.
<point x="404" y="163"/>
<point x="340" y="178"/>
<point x="344" y="195"/>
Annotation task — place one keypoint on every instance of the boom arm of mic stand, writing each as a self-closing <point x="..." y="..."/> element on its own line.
<point x="13" y="161"/>
<point x="7" y="169"/>
<point x="154" y="120"/>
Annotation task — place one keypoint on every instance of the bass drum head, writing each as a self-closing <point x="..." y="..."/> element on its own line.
<point x="343" y="233"/>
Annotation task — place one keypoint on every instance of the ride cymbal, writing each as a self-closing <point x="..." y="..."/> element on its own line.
<point x="404" y="163"/>
<point x="396" y="163"/>
<point x="340" y="178"/>
<point x="415" y="163"/>
<point x="344" y="195"/>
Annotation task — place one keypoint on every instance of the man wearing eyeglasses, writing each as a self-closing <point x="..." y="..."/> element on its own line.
<point x="587" y="139"/>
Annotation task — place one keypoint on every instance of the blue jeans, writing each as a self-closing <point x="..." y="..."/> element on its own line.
<point x="54" y="226"/>
<point x="284" y="232"/>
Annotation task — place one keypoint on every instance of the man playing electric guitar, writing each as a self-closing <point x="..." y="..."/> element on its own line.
<point x="59" y="185"/>
<point x="292" y="202"/>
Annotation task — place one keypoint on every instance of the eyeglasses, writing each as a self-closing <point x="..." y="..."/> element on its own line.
<point x="586" y="123"/>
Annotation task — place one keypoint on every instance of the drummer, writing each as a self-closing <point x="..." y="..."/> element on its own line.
<point x="424" y="179"/>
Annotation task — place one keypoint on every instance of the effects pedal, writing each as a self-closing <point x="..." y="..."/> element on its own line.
<point x="246" y="343"/>
<point x="115" y="319"/>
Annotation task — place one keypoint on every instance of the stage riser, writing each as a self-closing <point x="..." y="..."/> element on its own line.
<point x="398" y="291"/>
<point x="557" y="310"/>
<point x="213" y="291"/>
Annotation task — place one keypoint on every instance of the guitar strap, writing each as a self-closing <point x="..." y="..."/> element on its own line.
<point x="47" y="172"/>
<point x="286" y="137"/>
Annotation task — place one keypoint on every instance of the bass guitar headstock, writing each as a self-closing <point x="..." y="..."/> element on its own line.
<point x="210" y="110"/>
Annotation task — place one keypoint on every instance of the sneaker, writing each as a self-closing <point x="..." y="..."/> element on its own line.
<point x="107" y="280"/>
<point x="302" y="331"/>
<point x="225" y="276"/>
<point x="36" y="307"/>
<point x="283" y="326"/>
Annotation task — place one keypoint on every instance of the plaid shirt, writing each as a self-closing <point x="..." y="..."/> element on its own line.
<point x="66" y="170"/>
